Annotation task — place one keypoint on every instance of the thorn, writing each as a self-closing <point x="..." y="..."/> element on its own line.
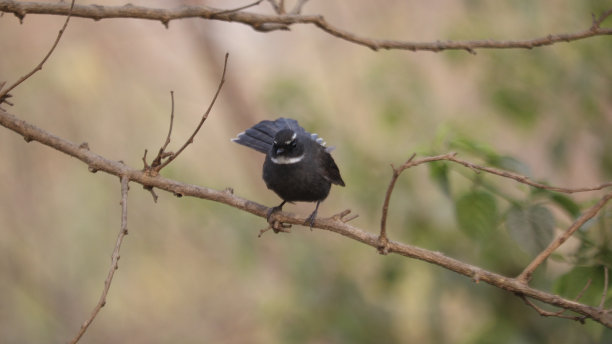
<point x="84" y="146"/>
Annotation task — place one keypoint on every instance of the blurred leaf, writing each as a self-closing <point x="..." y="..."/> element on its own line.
<point x="532" y="227"/>
<point x="517" y="104"/>
<point x="573" y="282"/>
<point x="508" y="163"/>
<point x="472" y="146"/>
<point x="438" y="170"/>
<point x="566" y="203"/>
<point x="476" y="213"/>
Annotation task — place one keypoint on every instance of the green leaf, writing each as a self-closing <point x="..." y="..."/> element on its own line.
<point x="573" y="282"/>
<point x="508" y="163"/>
<point x="566" y="203"/>
<point x="532" y="227"/>
<point x="438" y="170"/>
<point x="476" y="213"/>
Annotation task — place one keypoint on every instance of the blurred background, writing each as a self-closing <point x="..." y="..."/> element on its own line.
<point x="194" y="271"/>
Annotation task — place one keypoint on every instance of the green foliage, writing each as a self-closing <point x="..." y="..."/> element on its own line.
<point x="532" y="227"/>
<point x="571" y="284"/>
<point x="476" y="213"/>
<point x="438" y="172"/>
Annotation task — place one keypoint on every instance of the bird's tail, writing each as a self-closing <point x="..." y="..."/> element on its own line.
<point x="260" y="137"/>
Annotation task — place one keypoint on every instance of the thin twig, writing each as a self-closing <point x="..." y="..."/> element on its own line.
<point x="240" y="8"/>
<point x="171" y="122"/>
<point x="546" y="313"/>
<point x="502" y="173"/>
<point x="114" y="261"/>
<point x="204" y="117"/>
<point x="162" y="154"/>
<point x="297" y="9"/>
<point x="385" y="209"/>
<point x="3" y="93"/>
<point x="605" y="289"/>
<point x="524" y="179"/>
<point x="281" y="21"/>
<point x="525" y="276"/>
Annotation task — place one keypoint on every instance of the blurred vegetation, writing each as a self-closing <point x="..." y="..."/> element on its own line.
<point x="194" y="271"/>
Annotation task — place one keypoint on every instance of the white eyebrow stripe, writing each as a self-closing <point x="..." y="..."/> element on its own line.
<point x="283" y="160"/>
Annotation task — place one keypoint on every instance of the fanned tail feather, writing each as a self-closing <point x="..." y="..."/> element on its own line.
<point x="260" y="137"/>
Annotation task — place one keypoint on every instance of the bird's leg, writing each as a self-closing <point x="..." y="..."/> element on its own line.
<point x="274" y="210"/>
<point x="310" y="220"/>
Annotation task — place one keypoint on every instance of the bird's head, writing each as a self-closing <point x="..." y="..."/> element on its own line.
<point x="286" y="148"/>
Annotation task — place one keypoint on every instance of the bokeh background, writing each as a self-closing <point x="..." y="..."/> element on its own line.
<point x="194" y="271"/>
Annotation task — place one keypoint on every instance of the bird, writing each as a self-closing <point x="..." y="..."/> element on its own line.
<point x="298" y="166"/>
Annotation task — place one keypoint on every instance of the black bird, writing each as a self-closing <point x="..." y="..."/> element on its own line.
<point x="298" y="166"/>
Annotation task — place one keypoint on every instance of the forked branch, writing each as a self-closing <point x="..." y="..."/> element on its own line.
<point x="334" y="224"/>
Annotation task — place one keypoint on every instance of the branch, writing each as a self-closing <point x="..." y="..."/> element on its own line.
<point x="334" y="224"/>
<point x="156" y="168"/>
<point x="266" y="22"/>
<point x="525" y="276"/>
<point x="4" y="93"/>
<point x="114" y="261"/>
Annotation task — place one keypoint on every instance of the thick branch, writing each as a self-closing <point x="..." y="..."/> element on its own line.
<point x="334" y="223"/>
<point x="265" y="22"/>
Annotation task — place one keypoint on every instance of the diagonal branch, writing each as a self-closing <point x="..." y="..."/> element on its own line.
<point x="266" y="22"/>
<point x="334" y="224"/>
<point x="4" y="93"/>
<point x="525" y="276"/>
<point x="114" y="261"/>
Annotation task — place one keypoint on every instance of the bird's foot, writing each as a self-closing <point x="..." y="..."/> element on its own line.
<point x="311" y="219"/>
<point x="273" y="211"/>
<point x="274" y="223"/>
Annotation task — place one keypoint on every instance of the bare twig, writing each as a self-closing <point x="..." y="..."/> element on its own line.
<point x="114" y="261"/>
<point x="282" y="21"/>
<point x="277" y="6"/>
<point x="237" y="9"/>
<point x="605" y="289"/>
<point x="297" y="9"/>
<point x="502" y="173"/>
<point x="100" y="163"/>
<point x="163" y="148"/>
<point x="4" y="93"/>
<point x="523" y="179"/>
<point x="546" y="313"/>
<point x="204" y="117"/>
<point x="525" y="276"/>
<point x="383" y="240"/>
<point x="162" y="154"/>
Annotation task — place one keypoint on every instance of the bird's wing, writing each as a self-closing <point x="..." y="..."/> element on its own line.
<point x="328" y="168"/>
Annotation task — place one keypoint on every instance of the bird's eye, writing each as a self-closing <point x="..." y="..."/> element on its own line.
<point x="293" y="144"/>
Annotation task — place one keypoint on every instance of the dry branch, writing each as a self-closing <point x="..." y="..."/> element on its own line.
<point x="4" y="93"/>
<point x="114" y="261"/>
<point x="266" y="22"/>
<point x="335" y="224"/>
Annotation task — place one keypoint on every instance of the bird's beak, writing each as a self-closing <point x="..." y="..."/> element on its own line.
<point x="280" y="151"/>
